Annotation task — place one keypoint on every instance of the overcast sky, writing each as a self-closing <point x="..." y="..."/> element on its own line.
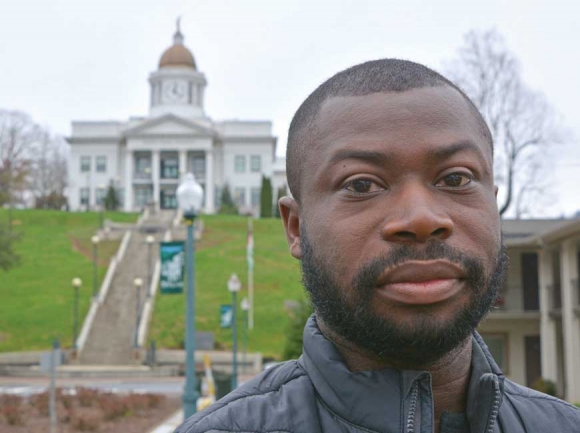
<point x="90" y="60"/>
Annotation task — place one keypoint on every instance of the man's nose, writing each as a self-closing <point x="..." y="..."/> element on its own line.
<point x="416" y="216"/>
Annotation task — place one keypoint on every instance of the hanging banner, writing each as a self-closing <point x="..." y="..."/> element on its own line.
<point x="172" y="256"/>
<point x="226" y="316"/>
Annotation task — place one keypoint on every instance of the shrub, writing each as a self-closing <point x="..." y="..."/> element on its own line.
<point x="137" y="403"/>
<point x="65" y="416"/>
<point x="41" y="402"/>
<point x="544" y="385"/>
<point x="266" y="198"/>
<point x="11" y="400"/>
<point x="577" y="404"/>
<point x="227" y="206"/>
<point x="113" y="407"/>
<point x="154" y="400"/>
<point x="86" y="396"/>
<point x="67" y="401"/>
<point x="297" y="319"/>
<point x="85" y="422"/>
<point x="13" y="414"/>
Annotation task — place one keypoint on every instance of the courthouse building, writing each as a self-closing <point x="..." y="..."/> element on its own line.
<point x="145" y="157"/>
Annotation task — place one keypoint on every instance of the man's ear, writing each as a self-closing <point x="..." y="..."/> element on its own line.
<point x="290" y="212"/>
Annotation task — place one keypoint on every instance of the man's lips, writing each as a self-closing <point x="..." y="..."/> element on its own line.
<point x="421" y="282"/>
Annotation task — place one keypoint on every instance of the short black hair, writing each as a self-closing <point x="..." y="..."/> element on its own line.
<point x="375" y="76"/>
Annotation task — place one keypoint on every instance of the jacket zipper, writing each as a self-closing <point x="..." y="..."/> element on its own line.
<point x="412" y="409"/>
<point x="494" y="407"/>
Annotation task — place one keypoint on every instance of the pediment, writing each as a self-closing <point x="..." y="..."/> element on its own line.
<point x="168" y="125"/>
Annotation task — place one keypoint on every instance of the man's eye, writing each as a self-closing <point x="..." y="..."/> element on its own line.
<point x="454" y="180"/>
<point x="362" y="186"/>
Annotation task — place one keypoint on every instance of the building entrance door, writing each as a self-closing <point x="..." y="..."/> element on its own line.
<point x="533" y="359"/>
<point x="168" y="199"/>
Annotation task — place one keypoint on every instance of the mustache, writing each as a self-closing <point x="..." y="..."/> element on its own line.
<point x="368" y="274"/>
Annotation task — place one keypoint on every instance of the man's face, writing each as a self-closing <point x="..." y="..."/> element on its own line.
<point x="398" y="230"/>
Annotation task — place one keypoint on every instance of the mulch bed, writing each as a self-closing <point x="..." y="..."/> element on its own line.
<point x="86" y="410"/>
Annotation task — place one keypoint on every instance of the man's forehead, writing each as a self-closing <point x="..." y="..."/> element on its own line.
<point x="399" y="115"/>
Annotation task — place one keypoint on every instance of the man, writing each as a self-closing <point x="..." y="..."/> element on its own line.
<point x="395" y="222"/>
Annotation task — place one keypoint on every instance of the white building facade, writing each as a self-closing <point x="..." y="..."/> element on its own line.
<point x="145" y="158"/>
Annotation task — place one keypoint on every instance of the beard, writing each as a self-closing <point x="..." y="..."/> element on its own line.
<point x="348" y="310"/>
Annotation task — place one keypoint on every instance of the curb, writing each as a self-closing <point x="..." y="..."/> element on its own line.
<point x="170" y="424"/>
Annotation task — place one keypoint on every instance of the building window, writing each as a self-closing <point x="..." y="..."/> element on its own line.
<point x="101" y="164"/>
<point x="256" y="163"/>
<point x="198" y="166"/>
<point x="168" y="199"/>
<point x="143" y="166"/>
<point x="100" y="196"/>
<point x="240" y="164"/>
<point x="85" y="164"/>
<point x="84" y="196"/>
<point x="255" y="197"/>
<point x="498" y="347"/>
<point x="169" y="168"/>
<point x="143" y="196"/>
<point x="240" y="196"/>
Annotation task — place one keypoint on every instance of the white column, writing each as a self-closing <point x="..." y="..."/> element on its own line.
<point x="129" y="155"/>
<point x="209" y="182"/>
<point x="155" y="165"/>
<point x="182" y="163"/>
<point x="549" y="346"/>
<point x="570" y="323"/>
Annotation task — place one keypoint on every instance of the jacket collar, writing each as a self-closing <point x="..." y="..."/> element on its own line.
<point x="374" y="399"/>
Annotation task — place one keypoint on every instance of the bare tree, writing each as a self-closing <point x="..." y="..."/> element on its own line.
<point x="18" y="138"/>
<point x="33" y="161"/>
<point x="522" y="123"/>
<point x="49" y="179"/>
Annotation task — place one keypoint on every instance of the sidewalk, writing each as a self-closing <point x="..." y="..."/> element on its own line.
<point x="170" y="424"/>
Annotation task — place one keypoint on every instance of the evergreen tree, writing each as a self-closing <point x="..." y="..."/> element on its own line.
<point x="298" y="317"/>
<point x="227" y="207"/>
<point x="281" y="193"/>
<point x="266" y="198"/>
<point x="111" y="199"/>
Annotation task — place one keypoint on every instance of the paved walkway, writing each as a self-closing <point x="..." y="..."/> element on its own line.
<point x="112" y="337"/>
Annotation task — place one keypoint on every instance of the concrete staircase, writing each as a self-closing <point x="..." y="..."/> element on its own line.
<point x="111" y="339"/>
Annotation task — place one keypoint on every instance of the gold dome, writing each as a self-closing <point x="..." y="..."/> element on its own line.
<point x="177" y="54"/>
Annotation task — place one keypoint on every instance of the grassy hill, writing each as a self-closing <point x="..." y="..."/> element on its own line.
<point x="36" y="298"/>
<point x="221" y="252"/>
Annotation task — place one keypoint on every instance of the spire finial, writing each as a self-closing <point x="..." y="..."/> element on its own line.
<point x="178" y="37"/>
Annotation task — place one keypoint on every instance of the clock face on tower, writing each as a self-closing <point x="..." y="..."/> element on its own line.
<point x="174" y="91"/>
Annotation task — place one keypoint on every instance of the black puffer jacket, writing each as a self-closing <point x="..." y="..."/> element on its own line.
<point x="318" y="394"/>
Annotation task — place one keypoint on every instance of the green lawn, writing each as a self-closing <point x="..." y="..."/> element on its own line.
<point x="221" y="252"/>
<point x="36" y="298"/>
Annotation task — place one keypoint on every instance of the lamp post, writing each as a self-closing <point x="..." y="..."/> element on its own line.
<point x="245" y="305"/>
<point x="150" y="241"/>
<point x="76" y="283"/>
<point x="190" y="198"/>
<point x="138" y="282"/>
<point x="234" y="286"/>
<point x="95" y="242"/>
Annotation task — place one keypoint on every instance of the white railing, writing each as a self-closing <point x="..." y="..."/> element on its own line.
<point x="124" y="244"/>
<point x="178" y="218"/>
